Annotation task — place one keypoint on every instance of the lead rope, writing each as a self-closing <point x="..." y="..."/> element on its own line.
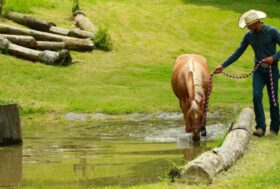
<point x="209" y="90"/>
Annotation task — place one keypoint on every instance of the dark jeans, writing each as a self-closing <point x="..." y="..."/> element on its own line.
<point x="260" y="79"/>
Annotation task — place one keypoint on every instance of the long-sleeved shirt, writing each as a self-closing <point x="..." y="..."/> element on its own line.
<point x="263" y="43"/>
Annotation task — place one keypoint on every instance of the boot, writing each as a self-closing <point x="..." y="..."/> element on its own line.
<point x="258" y="132"/>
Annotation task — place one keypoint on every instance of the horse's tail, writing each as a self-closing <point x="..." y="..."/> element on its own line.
<point x="189" y="81"/>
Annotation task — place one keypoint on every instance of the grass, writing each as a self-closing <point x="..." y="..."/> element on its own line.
<point x="134" y="76"/>
<point x="26" y="5"/>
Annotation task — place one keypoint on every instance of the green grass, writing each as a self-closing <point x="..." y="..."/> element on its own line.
<point x="147" y="37"/>
<point x="25" y="6"/>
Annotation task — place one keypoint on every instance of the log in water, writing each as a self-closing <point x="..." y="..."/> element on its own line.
<point x="208" y="164"/>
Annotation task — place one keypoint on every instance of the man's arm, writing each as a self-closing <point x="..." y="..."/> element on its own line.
<point x="243" y="46"/>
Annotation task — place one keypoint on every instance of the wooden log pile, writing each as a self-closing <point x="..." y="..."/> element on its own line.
<point x="43" y="41"/>
<point x="207" y="165"/>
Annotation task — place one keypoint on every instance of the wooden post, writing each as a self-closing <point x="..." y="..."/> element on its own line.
<point x="10" y="129"/>
<point x="210" y="163"/>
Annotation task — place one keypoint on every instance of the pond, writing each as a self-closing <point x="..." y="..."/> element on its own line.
<point x="98" y="150"/>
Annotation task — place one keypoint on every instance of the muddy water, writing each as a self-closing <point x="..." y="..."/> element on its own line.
<point x="98" y="150"/>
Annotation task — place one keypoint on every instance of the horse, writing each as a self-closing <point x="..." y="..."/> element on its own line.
<point x="190" y="82"/>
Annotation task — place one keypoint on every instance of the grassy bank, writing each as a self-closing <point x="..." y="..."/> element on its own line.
<point x="257" y="169"/>
<point x="135" y="75"/>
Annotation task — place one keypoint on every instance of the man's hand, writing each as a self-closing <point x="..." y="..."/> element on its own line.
<point x="219" y="69"/>
<point x="268" y="60"/>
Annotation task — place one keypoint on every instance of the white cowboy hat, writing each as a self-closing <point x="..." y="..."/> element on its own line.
<point x="250" y="17"/>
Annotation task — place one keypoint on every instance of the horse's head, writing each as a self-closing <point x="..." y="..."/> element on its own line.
<point x="195" y="119"/>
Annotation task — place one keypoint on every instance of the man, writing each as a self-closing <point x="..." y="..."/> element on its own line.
<point x="263" y="39"/>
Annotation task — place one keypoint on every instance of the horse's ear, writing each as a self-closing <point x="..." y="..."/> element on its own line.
<point x="190" y="85"/>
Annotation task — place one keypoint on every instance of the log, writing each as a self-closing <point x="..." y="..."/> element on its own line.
<point x="23" y="40"/>
<point x="71" y="43"/>
<point x="48" y="57"/>
<point x="50" y="45"/>
<point x="83" y="22"/>
<point x="10" y="128"/>
<point x="30" y="42"/>
<point x="207" y="165"/>
<point x="72" y="33"/>
<point x="43" y="25"/>
<point x="10" y="166"/>
<point x="29" y="21"/>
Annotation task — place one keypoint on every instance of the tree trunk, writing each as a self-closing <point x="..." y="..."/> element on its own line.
<point x="29" y="21"/>
<point x="84" y="23"/>
<point x="47" y="57"/>
<point x="23" y="40"/>
<point x="71" y="43"/>
<point x="10" y="129"/>
<point x="208" y="164"/>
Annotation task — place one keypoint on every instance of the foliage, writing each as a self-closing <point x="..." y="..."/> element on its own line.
<point x="75" y="6"/>
<point x="102" y="40"/>
<point x="2" y="2"/>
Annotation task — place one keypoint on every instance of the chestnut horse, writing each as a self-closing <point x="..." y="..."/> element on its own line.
<point x="190" y="81"/>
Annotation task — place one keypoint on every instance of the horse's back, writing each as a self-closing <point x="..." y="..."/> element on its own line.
<point x="188" y="64"/>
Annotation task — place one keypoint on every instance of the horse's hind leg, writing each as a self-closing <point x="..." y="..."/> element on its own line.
<point x="184" y="110"/>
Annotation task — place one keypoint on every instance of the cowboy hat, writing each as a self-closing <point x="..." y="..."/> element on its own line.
<point x="250" y="17"/>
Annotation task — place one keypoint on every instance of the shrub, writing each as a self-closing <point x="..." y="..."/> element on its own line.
<point x="102" y="39"/>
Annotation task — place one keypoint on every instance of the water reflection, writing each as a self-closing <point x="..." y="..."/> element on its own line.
<point x="107" y="152"/>
<point x="10" y="166"/>
<point x="191" y="153"/>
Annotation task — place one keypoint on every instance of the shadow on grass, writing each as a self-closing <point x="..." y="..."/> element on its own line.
<point x="271" y="7"/>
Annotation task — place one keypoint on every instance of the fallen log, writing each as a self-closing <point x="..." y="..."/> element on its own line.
<point x="50" y="45"/>
<point x="83" y="22"/>
<point x="48" y="57"/>
<point x="208" y="164"/>
<point x="30" y="42"/>
<point x="23" y="40"/>
<point x="72" y="33"/>
<point x="42" y="25"/>
<point x="10" y="129"/>
<point x="71" y="43"/>
<point x="29" y="21"/>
